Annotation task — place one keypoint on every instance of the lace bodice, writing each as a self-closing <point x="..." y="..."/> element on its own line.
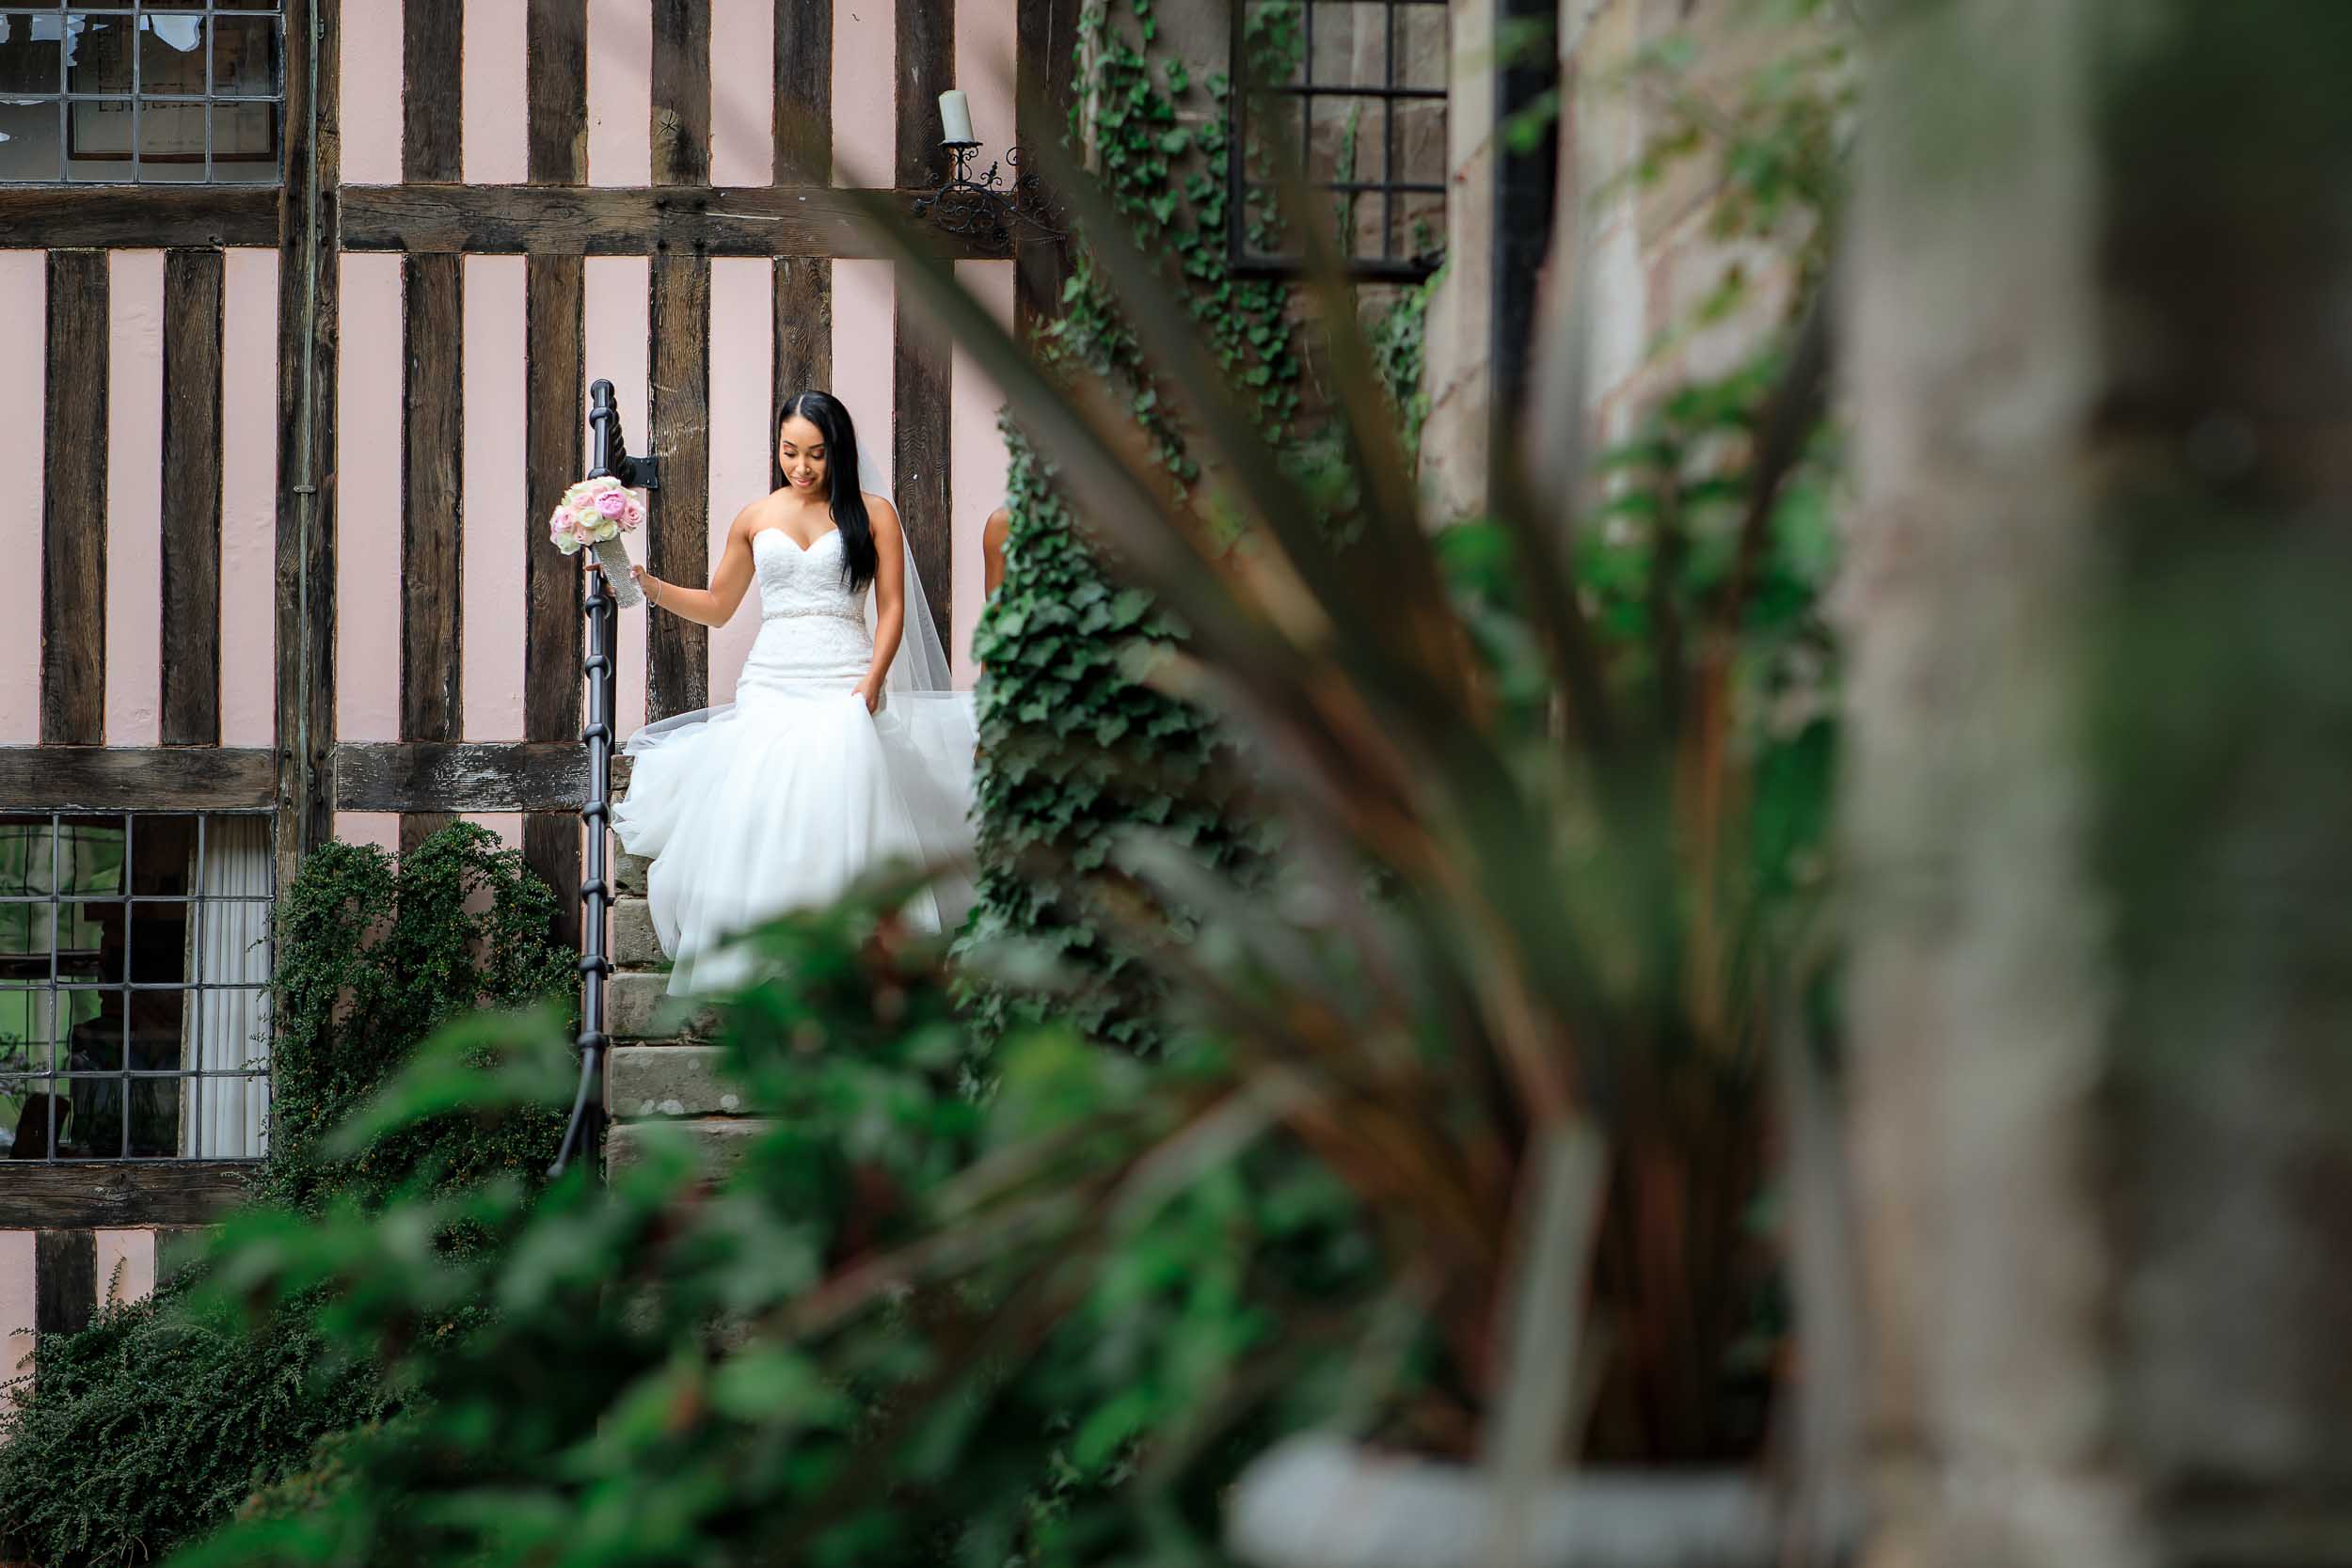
<point x="813" y="630"/>
<point x="796" y="581"/>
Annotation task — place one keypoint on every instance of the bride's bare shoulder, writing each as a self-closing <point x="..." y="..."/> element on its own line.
<point x="879" y="511"/>
<point x="754" y="517"/>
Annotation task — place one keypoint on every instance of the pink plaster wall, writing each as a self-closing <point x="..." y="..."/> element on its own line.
<point x="742" y="91"/>
<point x="865" y="63"/>
<point x="16" y="1306"/>
<point x="24" y="397"/>
<point x="496" y="531"/>
<point x="741" y="357"/>
<point x="508" y="825"/>
<point x="126" y="1266"/>
<point x="135" y="496"/>
<point x="620" y="92"/>
<point x="371" y="92"/>
<point x="979" y="462"/>
<point x="987" y="48"/>
<point x="617" y="318"/>
<point x="863" y="311"/>
<point x="379" y="827"/>
<point x="248" y="499"/>
<point x="367" y="501"/>
<point x="492" y="147"/>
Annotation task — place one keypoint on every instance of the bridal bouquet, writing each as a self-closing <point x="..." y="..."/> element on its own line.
<point x="594" y="513"/>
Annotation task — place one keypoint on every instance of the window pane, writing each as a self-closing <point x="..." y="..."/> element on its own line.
<point x="91" y="942"/>
<point x="159" y="943"/>
<point x="245" y="141"/>
<point x="31" y="57"/>
<point x="90" y="850"/>
<point x="27" y="1105"/>
<point x="231" y="1029"/>
<point x="245" y="5"/>
<point x="245" y="57"/>
<point x="1421" y="46"/>
<point x="94" y="1130"/>
<point x="28" y="1031"/>
<point x="171" y="141"/>
<point x="155" y="1116"/>
<point x="23" y="850"/>
<point x="26" y="933"/>
<point x="28" y="143"/>
<point x="93" y="1041"/>
<point x="158" y="1031"/>
<point x="162" y="849"/>
<point x="171" y="55"/>
<point x="98" y="53"/>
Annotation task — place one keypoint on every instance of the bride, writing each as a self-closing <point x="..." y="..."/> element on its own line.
<point x="844" y="746"/>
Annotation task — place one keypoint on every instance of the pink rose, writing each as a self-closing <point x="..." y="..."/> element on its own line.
<point x="612" y="503"/>
<point x="634" y="516"/>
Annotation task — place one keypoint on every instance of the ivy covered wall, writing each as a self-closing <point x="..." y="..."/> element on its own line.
<point x="1078" y="744"/>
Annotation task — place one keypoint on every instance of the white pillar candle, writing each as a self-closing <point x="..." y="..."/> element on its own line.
<point x="955" y="117"/>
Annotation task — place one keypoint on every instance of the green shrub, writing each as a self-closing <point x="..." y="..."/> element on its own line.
<point x="148" y="1428"/>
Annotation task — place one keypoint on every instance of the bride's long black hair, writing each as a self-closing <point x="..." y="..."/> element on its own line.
<point x="859" y="559"/>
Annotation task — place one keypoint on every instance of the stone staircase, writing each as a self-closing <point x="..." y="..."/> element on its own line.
<point x="663" y="1068"/>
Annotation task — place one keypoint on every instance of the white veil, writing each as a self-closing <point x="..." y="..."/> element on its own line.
<point x="921" y="665"/>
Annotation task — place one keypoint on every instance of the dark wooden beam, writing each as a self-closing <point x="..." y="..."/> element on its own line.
<point x="635" y="220"/>
<point x="681" y="93"/>
<point x="552" y="849"/>
<point x="136" y="778"/>
<point x="191" y="524"/>
<point x="432" y="88"/>
<point x="553" y="439"/>
<point x="63" y="1198"/>
<point x="73" y="503"/>
<point x="927" y="67"/>
<point x="454" y="776"/>
<point x="98" y="217"/>
<point x="803" y="83"/>
<point x="556" y="89"/>
<point x="552" y="458"/>
<point x="431" y="501"/>
<point x="65" y="1280"/>
<point x="802" y="347"/>
<point x="307" y="359"/>
<point x="677" y="548"/>
<point x="921" y="429"/>
<point x="1044" y="79"/>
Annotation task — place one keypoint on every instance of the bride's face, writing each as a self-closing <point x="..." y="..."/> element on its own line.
<point x="800" y="453"/>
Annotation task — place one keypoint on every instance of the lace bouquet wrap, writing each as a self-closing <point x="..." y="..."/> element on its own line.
<point x="593" y="515"/>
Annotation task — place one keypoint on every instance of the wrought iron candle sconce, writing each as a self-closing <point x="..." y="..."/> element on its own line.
<point x="995" y="209"/>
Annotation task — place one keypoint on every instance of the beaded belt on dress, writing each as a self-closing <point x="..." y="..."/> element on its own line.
<point x="855" y="617"/>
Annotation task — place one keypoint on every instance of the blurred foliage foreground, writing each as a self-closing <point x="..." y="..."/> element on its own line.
<point x="1455" y="1140"/>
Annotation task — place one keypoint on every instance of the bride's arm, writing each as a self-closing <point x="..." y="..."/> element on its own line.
<point x="890" y="593"/>
<point x="716" y="604"/>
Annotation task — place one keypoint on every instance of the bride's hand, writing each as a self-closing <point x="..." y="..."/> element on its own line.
<point x="647" y="584"/>
<point x="870" y="692"/>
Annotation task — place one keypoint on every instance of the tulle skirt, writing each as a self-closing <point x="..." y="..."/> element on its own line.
<point x="783" y="799"/>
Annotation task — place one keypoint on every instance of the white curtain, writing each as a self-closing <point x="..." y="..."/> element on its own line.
<point x="227" y="1119"/>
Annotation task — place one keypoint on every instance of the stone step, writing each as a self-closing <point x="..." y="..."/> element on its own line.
<point x="656" y="1082"/>
<point x="634" y="944"/>
<point x="638" y="1007"/>
<point x="720" y="1141"/>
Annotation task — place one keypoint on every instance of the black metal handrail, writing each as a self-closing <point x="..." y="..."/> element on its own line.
<point x="608" y="454"/>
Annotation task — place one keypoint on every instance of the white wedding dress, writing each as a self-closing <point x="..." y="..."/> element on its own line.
<point x="781" y="799"/>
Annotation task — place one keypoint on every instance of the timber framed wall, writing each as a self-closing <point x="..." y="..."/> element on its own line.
<point x="277" y="523"/>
